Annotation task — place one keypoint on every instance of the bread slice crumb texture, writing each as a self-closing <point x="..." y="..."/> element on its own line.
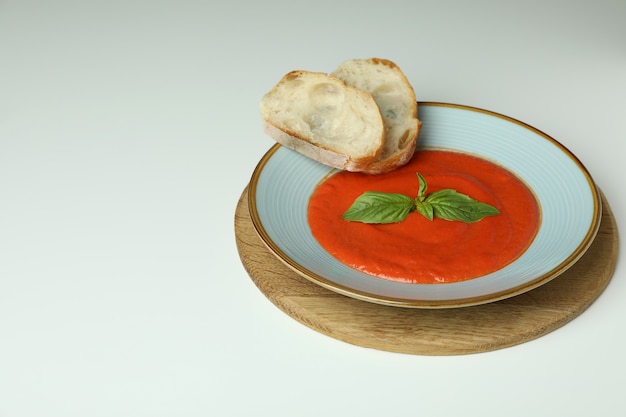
<point x="322" y="110"/>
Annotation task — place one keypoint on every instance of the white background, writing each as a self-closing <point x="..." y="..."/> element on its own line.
<point x="129" y="129"/>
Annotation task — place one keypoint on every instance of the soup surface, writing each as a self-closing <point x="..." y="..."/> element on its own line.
<point x="418" y="250"/>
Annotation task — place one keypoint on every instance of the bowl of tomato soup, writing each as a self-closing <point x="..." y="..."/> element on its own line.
<point x="549" y="213"/>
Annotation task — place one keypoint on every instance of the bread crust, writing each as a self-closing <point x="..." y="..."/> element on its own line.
<point x="317" y="152"/>
<point x="388" y="164"/>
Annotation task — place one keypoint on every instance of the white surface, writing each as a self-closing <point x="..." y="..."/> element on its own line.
<point x="128" y="130"/>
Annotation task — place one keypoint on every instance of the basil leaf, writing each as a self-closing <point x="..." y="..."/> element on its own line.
<point x="451" y="205"/>
<point x="377" y="207"/>
<point x="425" y="209"/>
<point x="422" y="187"/>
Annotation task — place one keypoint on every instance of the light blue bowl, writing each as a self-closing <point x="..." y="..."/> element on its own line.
<point x="284" y="180"/>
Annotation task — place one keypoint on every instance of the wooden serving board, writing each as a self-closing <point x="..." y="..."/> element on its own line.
<point x="452" y="331"/>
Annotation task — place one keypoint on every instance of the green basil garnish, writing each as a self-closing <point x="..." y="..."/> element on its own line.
<point x="378" y="207"/>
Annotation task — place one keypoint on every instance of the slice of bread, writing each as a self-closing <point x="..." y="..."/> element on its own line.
<point x="324" y="119"/>
<point x="395" y="97"/>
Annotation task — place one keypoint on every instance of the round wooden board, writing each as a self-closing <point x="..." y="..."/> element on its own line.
<point x="452" y="331"/>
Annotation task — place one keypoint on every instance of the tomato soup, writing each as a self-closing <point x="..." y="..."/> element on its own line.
<point x="418" y="250"/>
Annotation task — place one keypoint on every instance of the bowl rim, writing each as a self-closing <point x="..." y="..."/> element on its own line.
<point x="426" y="303"/>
